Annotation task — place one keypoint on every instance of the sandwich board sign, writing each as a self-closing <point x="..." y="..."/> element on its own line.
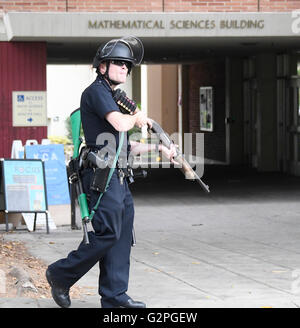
<point x="23" y="188"/>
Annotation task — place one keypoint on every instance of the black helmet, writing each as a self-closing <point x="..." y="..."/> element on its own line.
<point x="127" y="48"/>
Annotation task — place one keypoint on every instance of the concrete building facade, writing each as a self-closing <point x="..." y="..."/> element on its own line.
<point x="227" y="69"/>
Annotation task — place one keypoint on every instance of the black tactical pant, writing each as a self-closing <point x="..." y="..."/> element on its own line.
<point x="110" y="244"/>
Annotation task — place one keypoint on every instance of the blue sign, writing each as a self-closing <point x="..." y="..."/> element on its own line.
<point x="20" y="98"/>
<point x="55" y="171"/>
<point x="24" y="185"/>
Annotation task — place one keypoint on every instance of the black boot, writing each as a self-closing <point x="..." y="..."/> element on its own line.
<point x="129" y="303"/>
<point x="132" y="304"/>
<point x="59" y="294"/>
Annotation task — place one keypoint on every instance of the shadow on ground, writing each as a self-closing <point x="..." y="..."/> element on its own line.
<point x="231" y="183"/>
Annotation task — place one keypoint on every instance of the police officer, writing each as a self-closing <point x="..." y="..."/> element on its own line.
<point x="111" y="240"/>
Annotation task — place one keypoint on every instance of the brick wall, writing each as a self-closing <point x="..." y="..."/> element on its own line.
<point x="22" y="68"/>
<point x="149" y="6"/>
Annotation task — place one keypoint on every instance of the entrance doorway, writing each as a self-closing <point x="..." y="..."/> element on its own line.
<point x="288" y="104"/>
<point x="294" y="125"/>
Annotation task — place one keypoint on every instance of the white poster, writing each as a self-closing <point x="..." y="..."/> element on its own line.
<point x="206" y="109"/>
<point x="29" y="108"/>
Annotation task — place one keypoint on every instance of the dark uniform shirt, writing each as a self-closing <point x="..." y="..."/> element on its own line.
<point x="97" y="101"/>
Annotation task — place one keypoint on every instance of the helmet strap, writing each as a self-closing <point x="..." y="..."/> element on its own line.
<point x="106" y="75"/>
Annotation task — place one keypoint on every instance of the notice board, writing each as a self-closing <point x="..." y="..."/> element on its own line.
<point x="29" y="108"/>
<point x="23" y="186"/>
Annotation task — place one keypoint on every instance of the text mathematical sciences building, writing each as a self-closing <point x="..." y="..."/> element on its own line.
<point x="227" y="68"/>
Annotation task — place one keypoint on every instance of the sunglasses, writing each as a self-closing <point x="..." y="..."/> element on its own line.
<point x="121" y="63"/>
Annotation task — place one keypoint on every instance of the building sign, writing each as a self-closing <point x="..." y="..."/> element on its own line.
<point x="49" y="26"/>
<point x="204" y="24"/>
<point x="29" y="108"/>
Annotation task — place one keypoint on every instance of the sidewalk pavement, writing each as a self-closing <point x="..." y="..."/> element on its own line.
<point x="238" y="246"/>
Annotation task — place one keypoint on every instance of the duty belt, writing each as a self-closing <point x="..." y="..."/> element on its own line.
<point x="109" y="176"/>
<point x="125" y="173"/>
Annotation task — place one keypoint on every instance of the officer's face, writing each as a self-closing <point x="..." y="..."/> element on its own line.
<point x="116" y="72"/>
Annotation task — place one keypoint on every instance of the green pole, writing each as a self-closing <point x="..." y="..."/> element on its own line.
<point x="75" y="126"/>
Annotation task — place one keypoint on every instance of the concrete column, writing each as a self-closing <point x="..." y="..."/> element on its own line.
<point x="267" y="113"/>
<point x="234" y="111"/>
<point x="154" y="90"/>
<point x="169" y="98"/>
<point x="162" y="96"/>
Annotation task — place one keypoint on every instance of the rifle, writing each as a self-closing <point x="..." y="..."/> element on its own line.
<point x="179" y="158"/>
<point x="128" y="106"/>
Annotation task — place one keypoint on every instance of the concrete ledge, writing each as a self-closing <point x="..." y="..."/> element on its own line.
<point x="50" y="26"/>
<point x="60" y="214"/>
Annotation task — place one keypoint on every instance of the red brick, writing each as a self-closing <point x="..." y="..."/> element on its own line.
<point x="150" y="6"/>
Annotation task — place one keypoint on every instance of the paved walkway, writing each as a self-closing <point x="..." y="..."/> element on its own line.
<point x="239" y="246"/>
